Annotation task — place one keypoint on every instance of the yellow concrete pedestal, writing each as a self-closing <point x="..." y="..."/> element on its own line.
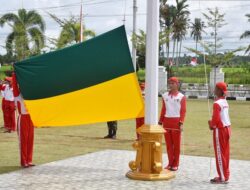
<point x="148" y="163"/>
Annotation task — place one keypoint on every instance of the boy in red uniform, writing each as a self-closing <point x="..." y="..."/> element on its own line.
<point x="172" y="117"/>
<point x="220" y="124"/>
<point x="8" y="105"/>
<point x="25" y="128"/>
<point x="140" y="121"/>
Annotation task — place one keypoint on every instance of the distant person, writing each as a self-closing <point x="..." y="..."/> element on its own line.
<point x="172" y="117"/>
<point x="220" y="124"/>
<point x="25" y="128"/>
<point x="8" y="105"/>
<point x="112" y="129"/>
<point x="2" y="87"/>
<point x="140" y="121"/>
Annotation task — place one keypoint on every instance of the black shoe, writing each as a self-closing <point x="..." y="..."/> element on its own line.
<point x="217" y="180"/>
<point x="108" y="137"/>
<point x="113" y="137"/>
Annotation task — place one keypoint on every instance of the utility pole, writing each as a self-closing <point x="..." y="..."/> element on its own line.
<point x="81" y="26"/>
<point x="124" y="16"/>
<point x="134" y="32"/>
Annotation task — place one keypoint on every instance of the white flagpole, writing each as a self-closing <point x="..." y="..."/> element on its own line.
<point x="152" y="58"/>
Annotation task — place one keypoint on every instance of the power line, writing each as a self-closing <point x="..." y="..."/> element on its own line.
<point x="66" y="6"/>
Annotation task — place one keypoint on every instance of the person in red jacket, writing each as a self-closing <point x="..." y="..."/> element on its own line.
<point x="220" y="124"/>
<point x="2" y="87"/>
<point x="172" y="117"/>
<point x="8" y="105"/>
<point x="25" y="128"/>
<point x="140" y="120"/>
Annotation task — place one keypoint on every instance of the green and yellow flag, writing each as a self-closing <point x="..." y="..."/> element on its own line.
<point x="90" y="82"/>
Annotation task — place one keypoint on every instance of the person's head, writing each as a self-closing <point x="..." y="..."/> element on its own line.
<point x="220" y="89"/>
<point x="8" y="80"/>
<point x="173" y="83"/>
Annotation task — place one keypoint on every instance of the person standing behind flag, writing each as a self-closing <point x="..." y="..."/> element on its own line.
<point x="220" y="124"/>
<point x="25" y="128"/>
<point x="112" y="128"/>
<point x="172" y="117"/>
<point x="8" y="105"/>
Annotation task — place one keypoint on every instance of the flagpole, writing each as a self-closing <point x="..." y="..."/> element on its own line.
<point x="81" y="27"/>
<point x="148" y="164"/>
<point x="152" y="57"/>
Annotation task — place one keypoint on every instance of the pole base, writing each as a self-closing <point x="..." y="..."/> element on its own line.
<point x="164" y="175"/>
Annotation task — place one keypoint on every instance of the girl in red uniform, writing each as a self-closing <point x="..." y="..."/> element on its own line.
<point x="220" y="124"/>
<point x="172" y="117"/>
<point x="8" y="105"/>
<point x="25" y="128"/>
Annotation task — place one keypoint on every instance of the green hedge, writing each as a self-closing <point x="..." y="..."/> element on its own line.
<point x="197" y="74"/>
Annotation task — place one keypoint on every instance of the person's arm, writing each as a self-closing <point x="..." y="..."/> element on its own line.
<point x="216" y="117"/>
<point x="163" y="112"/>
<point x="16" y="90"/>
<point x="2" y="86"/>
<point x="183" y="109"/>
<point x="182" y="112"/>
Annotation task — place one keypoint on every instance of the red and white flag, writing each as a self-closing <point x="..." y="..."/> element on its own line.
<point x="170" y="62"/>
<point x="194" y="61"/>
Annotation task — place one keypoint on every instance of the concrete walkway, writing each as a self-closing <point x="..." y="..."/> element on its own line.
<point x="107" y="169"/>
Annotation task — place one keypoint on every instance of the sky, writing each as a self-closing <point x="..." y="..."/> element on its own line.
<point x="104" y="15"/>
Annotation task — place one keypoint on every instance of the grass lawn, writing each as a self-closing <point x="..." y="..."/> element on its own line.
<point x="59" y="143"/>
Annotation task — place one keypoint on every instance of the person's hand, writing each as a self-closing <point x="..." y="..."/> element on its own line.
<point x="181" y="126"/>
<point x="210" y="125"/>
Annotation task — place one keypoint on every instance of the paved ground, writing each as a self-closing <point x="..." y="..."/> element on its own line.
<point x="107" y="169"/>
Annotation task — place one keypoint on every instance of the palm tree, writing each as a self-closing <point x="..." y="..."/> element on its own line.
<point x="140" y="40"/>
<point x="70" y="33"/>
<point x="27" y="35"/>
<point x="167" y="16"/>
<point x="196" y="30"/>
<point x="246" y="34"/>
<point x="180" y="26"/>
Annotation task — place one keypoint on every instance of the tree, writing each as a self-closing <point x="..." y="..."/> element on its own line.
<point x="246" y="34"/>
<point x="179" y="32"/>
<point x="197" y="28"/>
<point x="180" y="26"/>
<point x="174" y="19"/>
<point x="215" y="21"/>
<point x="27" y="35"/>
<point x="167" y="16"/>
<point x="70" y="33"/>
<point x="140" y="40"/>
<point x="215" y="60"/>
